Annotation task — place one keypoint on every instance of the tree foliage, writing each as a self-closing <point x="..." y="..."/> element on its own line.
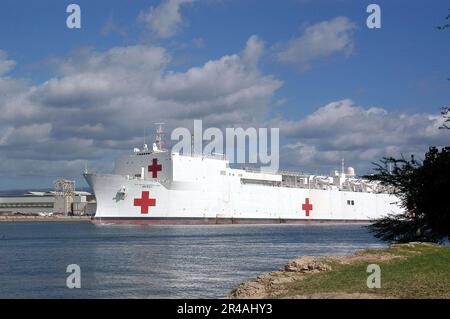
<point x="446" y="110"/>
<point x="445" y="26"/>
<point x="422" y="189"/>
<point x="446" y="114"/>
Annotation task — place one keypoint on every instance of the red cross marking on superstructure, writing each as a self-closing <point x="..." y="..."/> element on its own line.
<point x="155" y="168"/>
<point x="307" y="207"/>
<point x="145" y="201"/>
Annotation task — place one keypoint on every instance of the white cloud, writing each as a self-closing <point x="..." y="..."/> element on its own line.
<point x="165" y="19"/>
<point x="100" y="102"/>
<point x="253" y="50"/>
<point x="111" y="27"/>
<point x="5" y="64"/>
<point x="25" y="135"/>
<point x="361" y="135"/>
<point x="319" y="41"/>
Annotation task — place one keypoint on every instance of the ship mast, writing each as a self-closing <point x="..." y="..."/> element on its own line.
<point x="158" y="146"/>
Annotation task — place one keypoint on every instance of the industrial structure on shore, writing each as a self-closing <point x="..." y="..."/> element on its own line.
<point x="63" y="200"/>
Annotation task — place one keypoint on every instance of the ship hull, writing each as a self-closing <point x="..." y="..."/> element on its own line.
<point x="227" y="202"/>
<point x="218" y="221"/>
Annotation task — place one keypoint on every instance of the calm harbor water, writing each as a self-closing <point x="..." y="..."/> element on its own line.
<point x="130" y="261"/>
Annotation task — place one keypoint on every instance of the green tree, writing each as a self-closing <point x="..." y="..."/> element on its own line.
<point x="422" y="189"/>
<point x="446" y="110"/>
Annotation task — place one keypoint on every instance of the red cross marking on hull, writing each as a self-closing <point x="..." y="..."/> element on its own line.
<point x="145" y="201"/>
<point x="155" y="168"/>
<point x="307" y="207"/>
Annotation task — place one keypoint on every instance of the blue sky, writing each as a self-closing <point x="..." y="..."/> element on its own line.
<point x="374" y="77"/>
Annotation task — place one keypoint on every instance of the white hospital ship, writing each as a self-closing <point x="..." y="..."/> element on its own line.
<point x="161" y="187"/>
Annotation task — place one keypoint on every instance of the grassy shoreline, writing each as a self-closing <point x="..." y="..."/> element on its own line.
<point x="415" y="270"/>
